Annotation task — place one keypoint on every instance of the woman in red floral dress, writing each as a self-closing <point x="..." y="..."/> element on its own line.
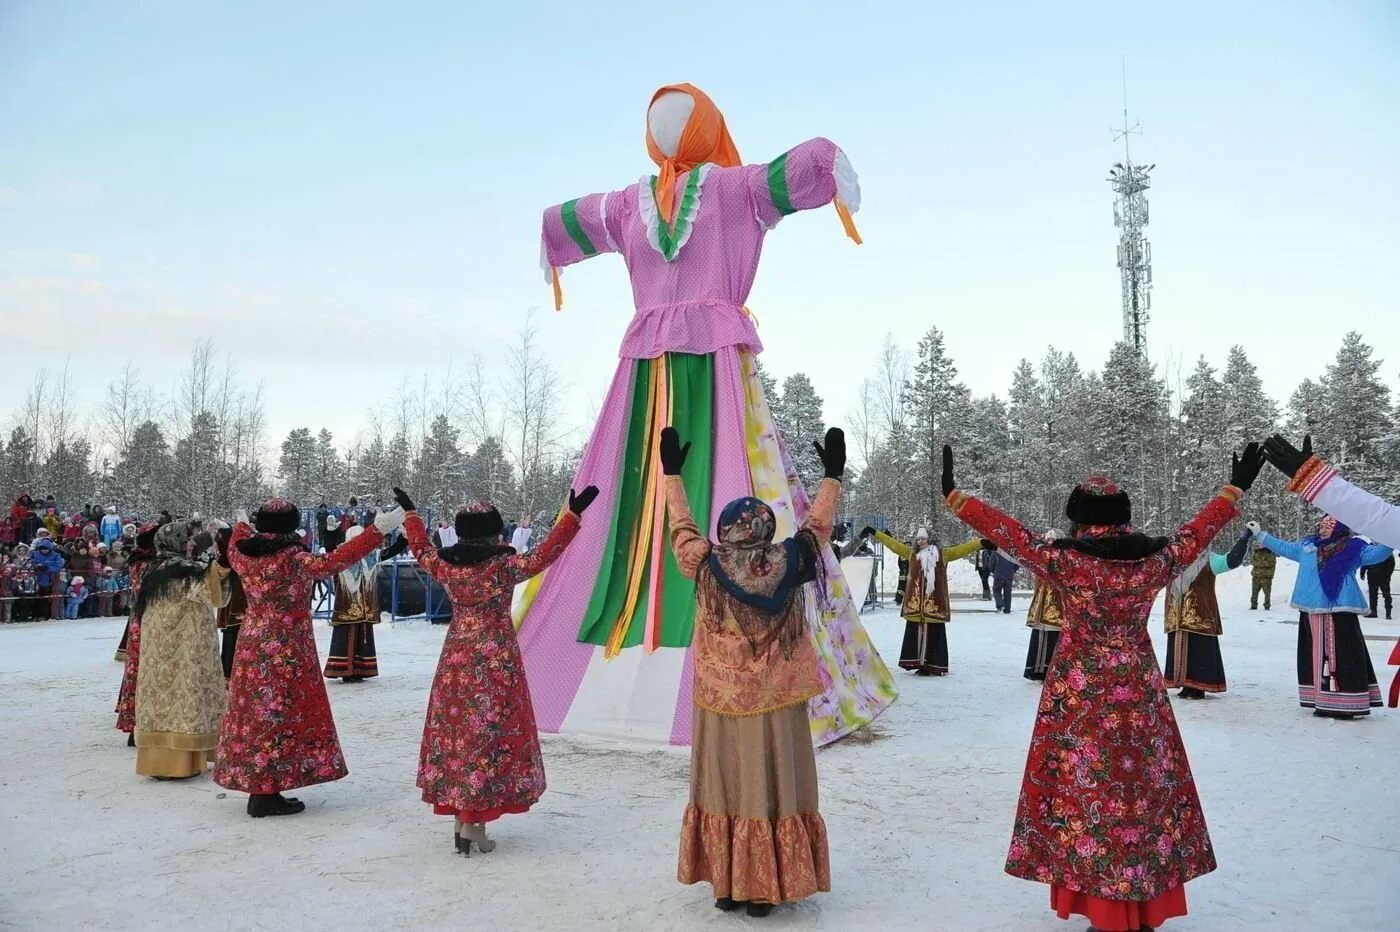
<point x="131" y="638"/>
<point x="1108" y="815"/>
<point x="278" y="733"/>
<point x="480" y="757"/>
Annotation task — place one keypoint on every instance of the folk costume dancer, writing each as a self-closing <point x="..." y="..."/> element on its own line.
<point x="1316" y="482"/>
<point x="480" y="756"/>
<point x="1193" y="626"/>
<point x="925" y="609"/>
<point x="279" y="734"/>
<point x="1335" y="675"/>
<point x="752" y="829"/>
<point x="691" y="237"/>
<point x="1044" y="618"/>
<point x="180" y="693"/>
<point x="1109" y="814"/>
<point x="126" y="694"/>
<point x="355" y="612"/>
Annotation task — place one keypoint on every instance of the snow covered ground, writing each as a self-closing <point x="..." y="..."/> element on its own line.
<point x="1302" y="810"/>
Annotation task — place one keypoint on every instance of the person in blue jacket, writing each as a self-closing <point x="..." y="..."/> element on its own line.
<point x="111" y="526"/>
<point x="1335" y="675"/>
<point x="48" y="563"/>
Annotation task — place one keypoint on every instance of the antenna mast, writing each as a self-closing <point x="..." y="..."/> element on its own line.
<point x="1130" y="184"/>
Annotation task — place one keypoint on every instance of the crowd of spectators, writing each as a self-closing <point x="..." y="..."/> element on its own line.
<point x="63" y="564"/>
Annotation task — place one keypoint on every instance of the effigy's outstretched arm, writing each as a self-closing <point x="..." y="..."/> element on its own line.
<point x="808" y="176"/>
<point x="574" y="231"/>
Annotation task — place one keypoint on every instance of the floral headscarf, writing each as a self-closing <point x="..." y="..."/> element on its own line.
<point x="757" y="580"/>
<point x="1337" y="553"/>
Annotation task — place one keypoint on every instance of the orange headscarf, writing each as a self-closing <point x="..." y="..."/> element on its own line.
<point x="704" y="139"/>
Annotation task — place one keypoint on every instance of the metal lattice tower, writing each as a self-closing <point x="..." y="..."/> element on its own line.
<point x="1130" y="184"/>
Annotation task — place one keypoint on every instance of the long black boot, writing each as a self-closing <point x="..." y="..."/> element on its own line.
<point x="759" y="910"/>
<point x="273" y="804"/>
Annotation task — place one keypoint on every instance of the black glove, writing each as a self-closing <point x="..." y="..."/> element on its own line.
<point x="672" y="453"/>
<point x="988" y="545"/>
<point x="867" y="531"/>
<point x="579" y="502"/>
<point x="948" y="484"/>
<point x="399" y="545"/>
<point x="402" y="498"/>
<point x="833" y="454"/>
<point x="1236" y="555"/>
<point x="1284" y="455"/>
<point x="1245" y="469"/>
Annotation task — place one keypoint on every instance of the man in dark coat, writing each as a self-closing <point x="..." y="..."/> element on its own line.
<point x="1003" y="574"/>
<point x="984" y="561"/>
<point x="1377" y="578"/>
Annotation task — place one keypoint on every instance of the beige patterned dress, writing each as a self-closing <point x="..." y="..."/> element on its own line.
<point x="180" y="692"/>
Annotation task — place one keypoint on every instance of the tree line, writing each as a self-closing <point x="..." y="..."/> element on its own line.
<point x="494" y="432"/>
<point x="1167" y="438"/>
<point x="499" y="432"/>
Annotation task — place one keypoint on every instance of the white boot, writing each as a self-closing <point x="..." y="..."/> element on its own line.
<point x="474" y="833"/>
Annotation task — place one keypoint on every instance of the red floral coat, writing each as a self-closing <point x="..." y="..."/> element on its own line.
<point x="480" y="756"/>
<point x="1108" y="806"/>
<point x="279" y="734"/>
<point x="126" y="693"/>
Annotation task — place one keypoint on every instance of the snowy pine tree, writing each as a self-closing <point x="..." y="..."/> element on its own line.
<point x="1355" y="406"/>
<point x="800" y="421"/>
<point x="936" y="408"/>
<point x="328" y="470"/>
<point x="297" y="467"/>
<point x="440" y="474"/>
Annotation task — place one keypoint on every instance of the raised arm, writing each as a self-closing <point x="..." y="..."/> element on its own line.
<point x="1026" y="548"/>
<point x="813" y="174"/>
<point x="965" y="549"/>
<point x="687" y="543"/>
<point x="1375" y="553"/>
<point x="420" y="544"/>
<point x="1288" y="549"/>
<point x="896" y="547"/>
<point x="242" y="530"/>
<point x="577" y="230"/>
<point x="524" y="565"/>
<point x="323" y="565"/>
<point x="823" y="511"/>
<point x="1193" y="537"/>
<point x="1364" y="513"/>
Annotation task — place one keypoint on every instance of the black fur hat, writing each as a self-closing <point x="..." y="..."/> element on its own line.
<point x="1099" y="501"/>
<point x="277" y="516"/>
<point x="480" y="521"/>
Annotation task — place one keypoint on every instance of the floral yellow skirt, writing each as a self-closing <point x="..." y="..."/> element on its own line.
<point x="752" y="829"/>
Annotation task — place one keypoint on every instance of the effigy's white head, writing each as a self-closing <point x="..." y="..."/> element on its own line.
<point x="667" y="118"/>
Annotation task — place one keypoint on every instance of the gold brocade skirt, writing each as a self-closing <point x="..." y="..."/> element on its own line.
<point x="165" y="762"/>
<point x="752" y="829"/>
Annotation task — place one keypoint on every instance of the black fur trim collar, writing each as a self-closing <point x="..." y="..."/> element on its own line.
<point x="164" y="575"/>
<point x="468" y="554"/>
<point x="265" y="545"/>
<point x="1132" y="546"/>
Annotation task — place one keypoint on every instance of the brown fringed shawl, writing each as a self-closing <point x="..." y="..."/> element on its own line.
<point x="757" y="581"/>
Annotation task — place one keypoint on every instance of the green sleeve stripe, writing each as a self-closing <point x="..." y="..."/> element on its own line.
<point x="777" y="185"/>
<point x="569" y="213"/>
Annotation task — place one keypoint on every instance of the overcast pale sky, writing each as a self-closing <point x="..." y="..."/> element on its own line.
<point x="342" y="195"/>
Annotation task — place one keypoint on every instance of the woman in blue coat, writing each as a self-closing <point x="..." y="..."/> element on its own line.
<point x="1335" y="675"/>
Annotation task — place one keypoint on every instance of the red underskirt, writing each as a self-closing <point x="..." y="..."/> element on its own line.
<point x="1119" y="915"/>
<point x="479" y="815"/>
